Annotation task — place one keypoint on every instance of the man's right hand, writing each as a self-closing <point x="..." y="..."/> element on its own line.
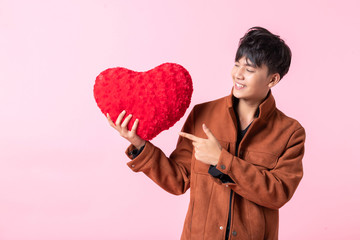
<point x="131" y="135"/>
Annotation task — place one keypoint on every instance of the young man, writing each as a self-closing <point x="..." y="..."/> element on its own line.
<point x="240" y="156"/>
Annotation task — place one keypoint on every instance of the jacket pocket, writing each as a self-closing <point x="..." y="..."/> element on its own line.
<point x="263" y="159"/>
<point x="202" y="168"/>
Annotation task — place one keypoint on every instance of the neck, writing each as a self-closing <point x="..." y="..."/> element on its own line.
<point x="246" y="112"/>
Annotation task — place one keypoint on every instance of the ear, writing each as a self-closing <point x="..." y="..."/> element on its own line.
<point x="274" y="79"/>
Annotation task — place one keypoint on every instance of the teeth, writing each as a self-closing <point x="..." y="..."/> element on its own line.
<point x="239" y="85"/>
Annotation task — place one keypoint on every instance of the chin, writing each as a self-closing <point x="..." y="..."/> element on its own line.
<point x="237" y="93"/>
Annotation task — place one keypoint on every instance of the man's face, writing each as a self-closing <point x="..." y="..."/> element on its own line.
<point x="250" y="82"/>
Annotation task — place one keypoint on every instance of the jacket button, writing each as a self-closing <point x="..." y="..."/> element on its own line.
<point x="234" y="233"/>
<point x="221" y="227"/>
<point x="222" y="167"/>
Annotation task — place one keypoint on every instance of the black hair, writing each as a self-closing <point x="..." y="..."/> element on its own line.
<point x="262" y="47"/>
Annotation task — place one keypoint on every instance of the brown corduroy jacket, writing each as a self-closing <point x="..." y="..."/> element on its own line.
<point x="266" y="171"/>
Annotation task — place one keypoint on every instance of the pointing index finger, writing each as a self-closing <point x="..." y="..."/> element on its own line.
<point x="189" y="136"/>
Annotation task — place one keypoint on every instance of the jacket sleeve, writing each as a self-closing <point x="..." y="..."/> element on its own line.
<point x="268" y="188"/>
<point x="171" y="173"/>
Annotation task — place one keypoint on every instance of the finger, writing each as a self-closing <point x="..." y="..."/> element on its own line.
<point x="196" y="145"/>
<point x="208" y="132"/>
<point x="120" y="117"/>
<point x="197" y="156"/>
<point x="135" y="125"/>
<point x="109" y="120"/>
<point x="190" y="136"/>
<point x="126" y="121"/>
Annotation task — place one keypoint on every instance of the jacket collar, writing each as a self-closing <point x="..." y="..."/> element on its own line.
<point x="266" y="107"/>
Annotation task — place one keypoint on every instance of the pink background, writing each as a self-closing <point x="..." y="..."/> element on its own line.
<point x="63" y="172"/>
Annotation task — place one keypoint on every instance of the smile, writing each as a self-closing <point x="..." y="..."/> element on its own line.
<point x="238" y="85"/>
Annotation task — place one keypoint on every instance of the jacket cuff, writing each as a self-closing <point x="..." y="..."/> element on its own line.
<point x="225" y="161"/>
<point x="142" y="156"/>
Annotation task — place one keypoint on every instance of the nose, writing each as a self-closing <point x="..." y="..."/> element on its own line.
<point x="239" y="73"/>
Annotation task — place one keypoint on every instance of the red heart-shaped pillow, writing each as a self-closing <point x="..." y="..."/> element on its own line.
<point x="158" y="97"/>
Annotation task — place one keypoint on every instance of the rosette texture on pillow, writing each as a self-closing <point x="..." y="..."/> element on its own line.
<point x="158" y="97"/>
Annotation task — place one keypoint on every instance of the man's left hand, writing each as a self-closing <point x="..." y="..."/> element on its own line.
<point x="207" y="150"/>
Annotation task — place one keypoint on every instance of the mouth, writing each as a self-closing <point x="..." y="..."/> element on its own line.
<point x="239" y="86"/>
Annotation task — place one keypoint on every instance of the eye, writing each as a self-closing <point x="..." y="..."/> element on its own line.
<point x="249" y="70"/>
